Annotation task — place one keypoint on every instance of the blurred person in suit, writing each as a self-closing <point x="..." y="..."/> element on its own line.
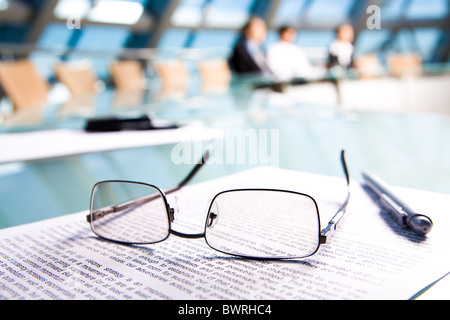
<point x="287" y="60"/>
<point x="248" y="56"/>
<point x="341" y="49"/>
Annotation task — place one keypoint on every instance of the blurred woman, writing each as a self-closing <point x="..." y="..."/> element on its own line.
<point x="247" y="55"/>
<point x="341" y="50"/>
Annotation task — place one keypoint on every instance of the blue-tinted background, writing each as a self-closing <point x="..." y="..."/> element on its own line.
<point x="406" y="25"/>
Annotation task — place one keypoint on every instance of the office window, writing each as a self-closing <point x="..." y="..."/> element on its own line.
<point x="171" y="42"/>
<point x="214" y="39"/>
<point x="393" y="9"/>
<point x="189" y="13"/>
<point x="226" y="13"/>
<point x="121" y="12"/>
<point x="315" y="44"/>
<point x="430" y="9"/>
<point x="221" y="41"/>
<point x="427" y="40"/>
<point x="271" y="38"/>
<point x="106" y="11"/>
<point x="96" y="37"/>
<point x="101" y="38"/>
<point x="174" y="38"/>
<point x="44" y="63"/>
<point x="54" y="35"/>
<point x="289" y="12"/>
<point x="70" y="9"/>
<point x="329" y="12"/>
<point x="404" y="42"/>
<point x="370" y="41"/>
<point x="315" y="38"/>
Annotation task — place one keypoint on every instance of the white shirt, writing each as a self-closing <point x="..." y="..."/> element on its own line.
<point x="343" y="51"/>
<point x="287" y="61"/>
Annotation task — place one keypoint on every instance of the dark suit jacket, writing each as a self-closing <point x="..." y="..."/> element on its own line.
<point x="333" y="61"/>
<point x="241" y="61"/>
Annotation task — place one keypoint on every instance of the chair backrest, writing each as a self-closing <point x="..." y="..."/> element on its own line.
<point x="77" y="76"/>
<point x="173" y="73"/>
<point x="368" y="66"/>
<point x="23" y="85"/>
<point x="215" y="74"/>
<point x="174" y="77"/>
<point x="127" y="75"/>
<point x="405" y="65"/>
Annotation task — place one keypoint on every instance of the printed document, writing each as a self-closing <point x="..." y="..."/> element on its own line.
<point x="369" y="256"/>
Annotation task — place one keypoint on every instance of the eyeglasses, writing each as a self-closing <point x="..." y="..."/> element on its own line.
<point x="250" y="223"/>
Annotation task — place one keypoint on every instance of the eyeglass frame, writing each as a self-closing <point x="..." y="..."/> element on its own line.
<point x="323" y="234"/>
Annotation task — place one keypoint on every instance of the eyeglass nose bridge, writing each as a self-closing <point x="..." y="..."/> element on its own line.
<point x="171" y="214"/>
<point x="212" y="219"/>
<point x="173" y="211"/>
<point x="213" y="214"/>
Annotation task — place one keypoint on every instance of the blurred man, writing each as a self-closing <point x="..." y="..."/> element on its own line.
<point x="247" y="56"/>
<point x="287" y="60"/>
<point x="341" y="50"/>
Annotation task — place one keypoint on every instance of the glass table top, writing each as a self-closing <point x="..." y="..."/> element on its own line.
<point x="407" y="149"/>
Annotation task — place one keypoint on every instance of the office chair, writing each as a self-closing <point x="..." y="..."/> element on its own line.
<point x="78" y="77"/>
<point x="405" y="65"/>
<point x="127" y="75"/>
<point x="215" y="74"/>
<point x="174" y="77"/>
<point x="23" y="85"/>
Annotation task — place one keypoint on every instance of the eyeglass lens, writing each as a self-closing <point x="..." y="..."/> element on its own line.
<point x="129" y="212"/>
<point x="263" y="224"/>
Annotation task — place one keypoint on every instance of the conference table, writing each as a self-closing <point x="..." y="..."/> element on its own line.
<point x="302" y="128"/>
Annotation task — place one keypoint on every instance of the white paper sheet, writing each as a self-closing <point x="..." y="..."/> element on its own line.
<point x="368" y="257"/>
<point x="63" y="142"/>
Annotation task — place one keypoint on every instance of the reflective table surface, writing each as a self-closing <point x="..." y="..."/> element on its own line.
<point x="301" y="129"/>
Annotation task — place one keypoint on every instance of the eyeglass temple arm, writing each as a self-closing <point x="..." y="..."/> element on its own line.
<point x="136" y="202"/>
<point x="100" y="213"/>
<point x="191" y="174"/>
<point x="332" y="224"/>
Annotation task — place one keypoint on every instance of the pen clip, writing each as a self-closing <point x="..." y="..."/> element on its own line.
<point x="396" y="211"/>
